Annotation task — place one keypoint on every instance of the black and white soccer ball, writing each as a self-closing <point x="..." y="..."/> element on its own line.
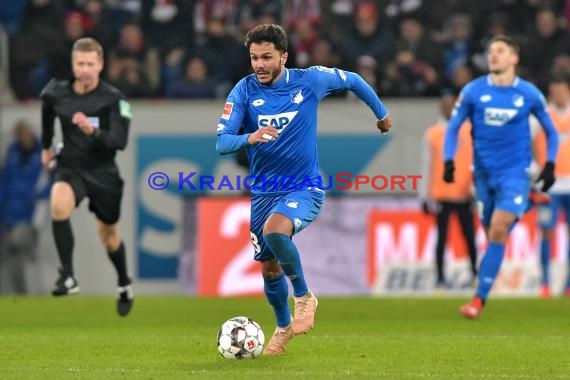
<point x="240" y="338"/>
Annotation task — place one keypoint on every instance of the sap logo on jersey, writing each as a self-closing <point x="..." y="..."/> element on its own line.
<point x="279" y="121"/>
<point x="497" y="117"/>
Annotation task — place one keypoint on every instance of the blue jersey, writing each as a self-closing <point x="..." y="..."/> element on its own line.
<point x="500" y="119"/>
<point x="290" y="105"/>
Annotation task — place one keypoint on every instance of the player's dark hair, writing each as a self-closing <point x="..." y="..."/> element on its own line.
<point x="507" y="40"/>
<point x="88" y="44"/>
<point x="267" y="33"/>
<point x="560" y="77"/>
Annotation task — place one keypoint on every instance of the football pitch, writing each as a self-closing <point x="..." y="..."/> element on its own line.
<point x="81" y="337"/>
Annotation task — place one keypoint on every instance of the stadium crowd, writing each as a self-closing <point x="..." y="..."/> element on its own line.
<point x="194" y="48"/>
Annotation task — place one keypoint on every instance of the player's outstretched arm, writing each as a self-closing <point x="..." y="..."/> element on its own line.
<point x="367" y="94"/>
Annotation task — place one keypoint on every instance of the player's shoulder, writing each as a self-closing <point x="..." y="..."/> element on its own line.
<point x="478" y="83"/>
<point x="318" y="71"/>
<point x="110" y="90"/>
<point x="528" y="86"/>
<point x="54" y="88"/>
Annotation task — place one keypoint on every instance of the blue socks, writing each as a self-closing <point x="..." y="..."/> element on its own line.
<point x="286" y="253"/>
<point x="277" y="291"/>
<point x="490" y="266"/>
<point x="545" y="260"/>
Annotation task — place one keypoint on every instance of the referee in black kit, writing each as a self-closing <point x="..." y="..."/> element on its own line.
<point x="94" y="119"/>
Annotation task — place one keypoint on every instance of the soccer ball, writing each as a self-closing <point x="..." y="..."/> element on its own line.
<point x="240" y="338"/>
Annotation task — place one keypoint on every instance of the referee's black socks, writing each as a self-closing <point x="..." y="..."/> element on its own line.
<point x="118" y="258"/>
<point x="63" y="236"/>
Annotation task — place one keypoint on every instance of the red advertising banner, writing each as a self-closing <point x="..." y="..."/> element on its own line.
<point x="225" y="264"/>
<point x="401" y="244"/>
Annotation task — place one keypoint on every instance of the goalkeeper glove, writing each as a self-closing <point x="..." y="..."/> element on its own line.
<point x="547" y="176"/>
<point x="448" y="171"/>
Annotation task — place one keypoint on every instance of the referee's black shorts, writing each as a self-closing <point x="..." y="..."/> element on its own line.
<point x="103" y="187"/>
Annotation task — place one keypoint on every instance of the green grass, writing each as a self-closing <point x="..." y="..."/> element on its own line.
<point x="363" y="338"/>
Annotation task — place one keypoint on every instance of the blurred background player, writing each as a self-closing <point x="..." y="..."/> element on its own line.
<point x="277" y="108"/>
<point x="95" y="120"/>
<point x="499" y="105"/>
<point x="445" y="199"/>
<point x="559" y="110"/>
<point x="23" y="182"/>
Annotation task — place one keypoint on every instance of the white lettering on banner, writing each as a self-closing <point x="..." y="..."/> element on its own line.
<point x="235" y="278"/>
<point x="389" y="247"/>
<point x="403" y="252"/>
<point x="521" y="245"/>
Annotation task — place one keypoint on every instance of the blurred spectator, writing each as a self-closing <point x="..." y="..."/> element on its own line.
<point x="496" y="24"/>
<point x="337" y="19"/>
<point x="23" y="182"/>
<point x="217" y="43"/>
<point x="367" y="68"/>
<point x="303" y="39"/>
<point x="302" y="9"/>
<point x="194" y="83"/>
<point x="545" y="41"/>
<point x="437" y="13"/>
<point x="133" y="67"/>
<point x="100" y="22"/>
<point x="444" y="34"/>
<point x="168" y="24"/>
<point x="11" y="13"/>
<point x="414" y="38"/>
<point x="31" y="47"/>
<point x="460" y="77"/>
<point x="206" y="10"/>
<point x="249" y="13"/>
<point x="323" y="54"/>
<point x="407" y="76"/>
<point x="457" y="45"/>
<point x="368" y="37"/>
<point x="75" y="27"/>
<point x="396" y="10"/>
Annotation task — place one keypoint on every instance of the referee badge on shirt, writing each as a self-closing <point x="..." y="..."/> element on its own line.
<point x="94" y="121"/>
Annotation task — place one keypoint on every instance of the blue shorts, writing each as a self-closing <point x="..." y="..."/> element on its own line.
<point x="548" y="213"/>
<point x="501" y="191"/>
<point x="300" y="206"/>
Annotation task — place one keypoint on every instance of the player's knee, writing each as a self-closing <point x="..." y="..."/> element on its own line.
<point x="62" y="201"/>
<point x="270" y="269"/>
<point x="110" y="238"/>
<point x="61" y="209"/>
<point x="499" y="233"/>
<point x="278" y="223"/>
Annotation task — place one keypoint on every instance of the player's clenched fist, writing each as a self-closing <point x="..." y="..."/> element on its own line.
<point x="384" y="125"/>
<point x="263" y="135"/>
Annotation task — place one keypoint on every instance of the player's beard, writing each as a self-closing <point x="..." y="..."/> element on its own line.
<point x="273" y="75"/>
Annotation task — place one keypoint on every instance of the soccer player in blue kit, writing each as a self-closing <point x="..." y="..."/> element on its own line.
<point x="499" y="105"/>
<point x="277" y="108"/>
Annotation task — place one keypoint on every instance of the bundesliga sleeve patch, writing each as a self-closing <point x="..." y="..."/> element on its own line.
<point x="125" y="109"/>
<point x="228" y="108"/>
